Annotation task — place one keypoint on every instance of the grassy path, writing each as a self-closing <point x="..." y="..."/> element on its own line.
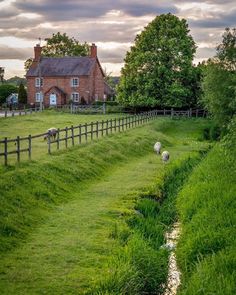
<point x="63" y="256"/>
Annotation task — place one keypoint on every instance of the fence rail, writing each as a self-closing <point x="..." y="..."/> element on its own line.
<point x="69" y="136"/>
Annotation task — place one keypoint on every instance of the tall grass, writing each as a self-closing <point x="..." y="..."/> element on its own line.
<point x="207" y="247"/>
<point x="141" y="265"/>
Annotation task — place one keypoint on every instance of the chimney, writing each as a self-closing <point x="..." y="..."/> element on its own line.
<point x="93" y="50"/>
<point x="37" y="53"/>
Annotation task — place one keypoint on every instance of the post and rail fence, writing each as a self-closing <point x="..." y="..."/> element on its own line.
<point x="12" y="113"/>
<point x="83" y="133"/>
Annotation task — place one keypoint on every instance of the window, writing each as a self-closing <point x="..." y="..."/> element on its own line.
<point x="38" y="96"/>
<point x="74" y="82"/>
<point x="38" y="82"/>
<point x="75" y="96"/>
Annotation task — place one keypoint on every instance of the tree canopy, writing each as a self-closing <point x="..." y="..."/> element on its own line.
<point x="60" y="45"/>
<point x="158" y="69"/>
<point x="219" y="81"/>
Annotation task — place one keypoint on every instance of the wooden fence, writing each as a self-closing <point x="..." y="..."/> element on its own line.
<point x="8" y="113"/>
<point x="83" y="133"/>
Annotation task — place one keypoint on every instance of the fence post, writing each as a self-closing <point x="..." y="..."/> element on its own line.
<point x="18" y="148"/>
<point x="72" y="135"/>
<point x="102" y="126"/>
<point x="66" y="137"/>
<point x="123" y="123"/>
<point x="58" y="138"/>
<point x="190" y="112"/>
<point x="106" y="127"/>
<point x="104" y="108"/>
<point x="80" y="134"/>
<point x="5" y="151"/>
<point x="97" y="126"/>
<point x="13" y="114"/>
<point x="196" y="113"/>
<point x="91" y="130"/>
<point x="30" y="146"/>
<point x="119" y="124"/>
<point x="86" y="132"/>
<point x="172" y="113"/>
<point x="164" y="113"/>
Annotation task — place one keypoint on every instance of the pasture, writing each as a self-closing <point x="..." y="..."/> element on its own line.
<point x="39" y="123"/>
<point x="61" y="216"/>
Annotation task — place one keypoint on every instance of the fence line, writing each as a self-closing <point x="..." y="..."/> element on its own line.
<point x="8" y="113"/>
<point x="86" y="132"/>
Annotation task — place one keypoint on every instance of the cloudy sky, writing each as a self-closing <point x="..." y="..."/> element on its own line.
<point x="111" y="24"/>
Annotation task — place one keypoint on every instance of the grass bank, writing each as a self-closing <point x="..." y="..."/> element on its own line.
<point x="60" y="212"/>
<point x="207" y="246"/>
<point x="140" y="266"/>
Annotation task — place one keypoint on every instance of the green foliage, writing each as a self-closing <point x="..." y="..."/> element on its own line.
<point x="22" y="94"/>
<point x="219" y="81"/>
<point x="206" y="205"/>
<point x="60" y="45"/>
<point x="158" y="70"/>
<point x="226" y="51"/>
<point x="6" y="90"/>
<point x="219" y="92"/>
<point x="16" y="81"/>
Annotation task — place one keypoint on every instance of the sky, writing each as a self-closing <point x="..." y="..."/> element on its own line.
<point x="111" y="24"/>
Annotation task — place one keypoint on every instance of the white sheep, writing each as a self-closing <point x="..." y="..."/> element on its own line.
<point x="165" y="156"/>
<point x="52" y="132"/>
<point x="157" y="147"/>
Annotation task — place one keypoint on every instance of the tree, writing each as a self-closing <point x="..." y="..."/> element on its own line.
<point x="1" y="74"/>
<point x="22" y="94"/>
<point x="60" y="45"/>
<point x="6" y="90"/>
<point x="219" y="82"/>
<point x="158" y="67"/>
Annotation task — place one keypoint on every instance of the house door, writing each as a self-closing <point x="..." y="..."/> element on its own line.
<point x="53" y="99"/>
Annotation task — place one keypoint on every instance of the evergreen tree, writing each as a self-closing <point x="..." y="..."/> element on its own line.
<point x="22" y="94"/>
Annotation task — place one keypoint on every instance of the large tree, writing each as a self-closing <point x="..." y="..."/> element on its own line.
<point x="219" y="82"/>
<point x="60" y="45"/>
<point x="158" y="69"/>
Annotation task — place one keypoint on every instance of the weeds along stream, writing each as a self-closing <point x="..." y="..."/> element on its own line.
<point x="141" y="265"/>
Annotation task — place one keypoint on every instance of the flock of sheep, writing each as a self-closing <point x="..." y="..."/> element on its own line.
<point x="165" y="154"/>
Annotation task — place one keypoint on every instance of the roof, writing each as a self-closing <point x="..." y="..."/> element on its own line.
<point x="62" y="66"/>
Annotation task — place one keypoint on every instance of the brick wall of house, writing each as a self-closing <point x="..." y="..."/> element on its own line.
<point x="64" y="83"/>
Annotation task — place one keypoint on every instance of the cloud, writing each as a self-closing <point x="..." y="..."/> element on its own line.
<point x="7" y="52"/>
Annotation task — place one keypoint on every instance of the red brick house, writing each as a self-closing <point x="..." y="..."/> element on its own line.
<point x="58" y="80"/>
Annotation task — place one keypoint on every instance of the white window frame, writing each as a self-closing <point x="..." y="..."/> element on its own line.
<point x="75" y="97"/>
<point x="74" y="82"/>
<point x="38" y="83"/>
<point x="38" y="96"/>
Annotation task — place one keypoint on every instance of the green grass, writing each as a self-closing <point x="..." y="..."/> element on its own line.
<point x="37" y="124"/>
<point x="206" y="251"/>
<point x="57" y="214"/>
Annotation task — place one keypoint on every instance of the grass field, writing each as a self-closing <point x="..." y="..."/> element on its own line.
<point x="59" y="215"/>
<point x="39" y="123"/>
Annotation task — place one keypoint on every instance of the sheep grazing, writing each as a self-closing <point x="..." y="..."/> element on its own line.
<point x="165" y="156"/>
<point x="157" y="147"/>
<point x="52" y="132"/>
